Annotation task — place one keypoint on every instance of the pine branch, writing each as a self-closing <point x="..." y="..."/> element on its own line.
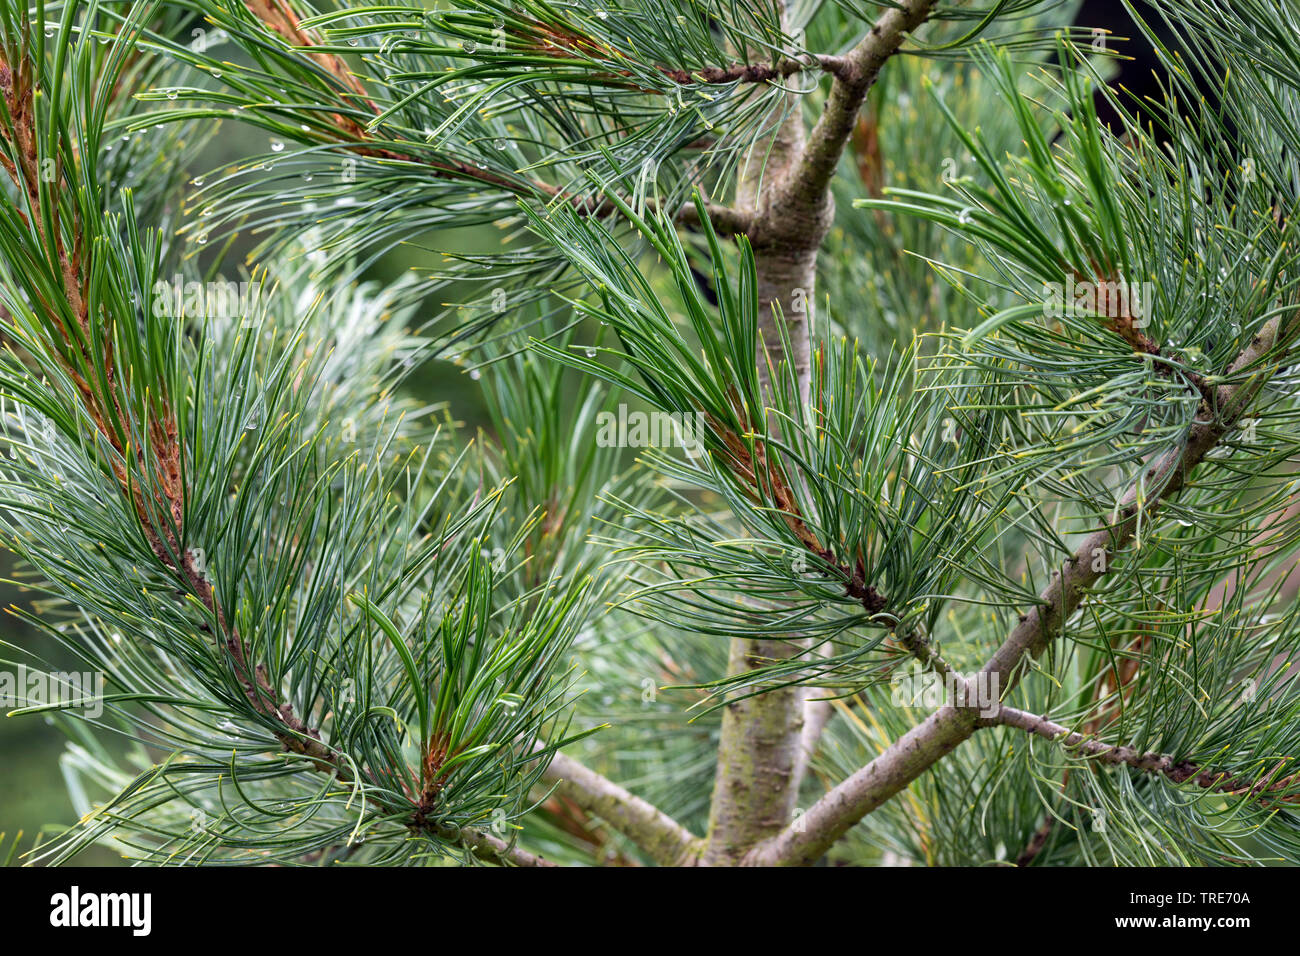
<point x="805" y="190"/>
<point x="949" y="726"/>
<point x="72" y="351"/>
<point x="164" y="535"/>
<point x="1184" y="771"/>
<point x="758" y="73"/>
<point x="160" y="507"/>
<point x="920" y="647"/>
<point x="766" y="476"/>
<point x="1037" y="843"/>
<point x="662" y="838"/>
<point x="565" y="125"/>
<point x="1118" y="317"/>
<point x="555" y="39"/>
<point x="278" y="16"/>
<point x="1163" y="480"/>
<point x="725" y="220"/>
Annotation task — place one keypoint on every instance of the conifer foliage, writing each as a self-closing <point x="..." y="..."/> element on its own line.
<point x="884" y="458"/>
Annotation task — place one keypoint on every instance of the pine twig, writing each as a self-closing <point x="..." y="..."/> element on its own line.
<point x="1037" y="843"/>
<point x="948" y="727"/>
<point x="1184" y="771"/>
<point x="493" y="849"/>
<point x="278" y="16"/>
<point x="17" y="85"/>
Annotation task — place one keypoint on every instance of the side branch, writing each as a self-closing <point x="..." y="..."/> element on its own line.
<point x="758" y="73"/>
<point x="808" y="182"/>
<point x="1263" y="788"/>
<point x="278" y="17"/>
<point x="928" y="742"/>
<point x="662" y="838"/>
<point x="154" y="488"/>
<point x="1163" y="479"/>
<point x="725" y="220"/>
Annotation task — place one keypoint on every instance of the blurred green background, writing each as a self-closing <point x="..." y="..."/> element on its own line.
<point x="32" y="795"/>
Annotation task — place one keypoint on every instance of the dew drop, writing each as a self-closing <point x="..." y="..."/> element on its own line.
<point x="172" y="94"/>
<point x="469" y="46"/>
<point x="475" y="374"/>
<point x="591" y="353"/>
<point x="276" y="146"/>
<point x="197" y="180"/>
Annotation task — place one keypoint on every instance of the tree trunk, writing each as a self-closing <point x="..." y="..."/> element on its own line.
<point x="785" y="237"/>
<point x="759" y="759"/>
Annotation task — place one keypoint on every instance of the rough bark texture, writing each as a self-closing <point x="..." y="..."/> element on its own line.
<point x="753" y="795"/>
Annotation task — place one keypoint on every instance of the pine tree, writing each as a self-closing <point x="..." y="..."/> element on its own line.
<point x="887" y="460"/>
